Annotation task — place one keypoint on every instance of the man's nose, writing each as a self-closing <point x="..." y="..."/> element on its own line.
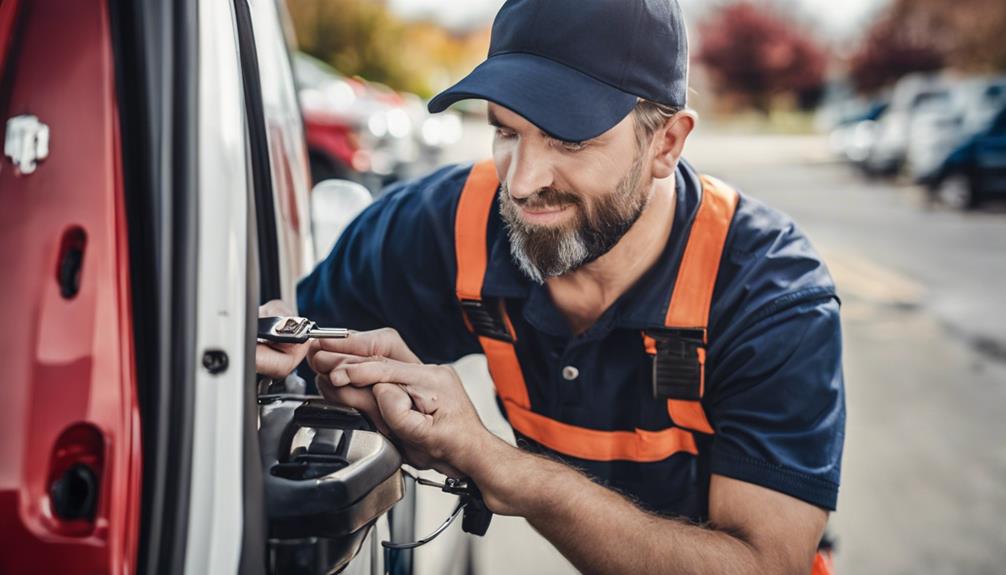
<point x="529" y="172"/>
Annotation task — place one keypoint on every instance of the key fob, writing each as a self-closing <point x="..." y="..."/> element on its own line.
<point x="285" y="329"/>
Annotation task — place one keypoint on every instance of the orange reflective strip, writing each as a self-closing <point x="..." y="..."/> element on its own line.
<point x="701" y="352"/>
<point x="471" y="223"/>
<point x="649" y="344"/>
<point x="823" y="564"/>
<point x="639" y="445"/>
<point x="693" y="289"/>
<point x="472" y="220"/>
<point x="689" y="414"/>
<point x="505" y="369"/>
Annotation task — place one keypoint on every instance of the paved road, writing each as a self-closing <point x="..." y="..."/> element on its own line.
<point x="925" y="360"/>
<point x="925" y="328"/>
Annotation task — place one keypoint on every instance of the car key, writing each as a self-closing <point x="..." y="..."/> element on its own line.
<point x="295" y="330"/>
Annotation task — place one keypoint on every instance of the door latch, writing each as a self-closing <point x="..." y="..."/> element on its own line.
<point x="26" y="143"/>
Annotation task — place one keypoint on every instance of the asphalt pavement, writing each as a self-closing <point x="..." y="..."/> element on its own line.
<point x="924" y="320"/>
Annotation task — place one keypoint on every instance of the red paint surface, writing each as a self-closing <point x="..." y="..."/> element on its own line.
<point x="68" y="364"/>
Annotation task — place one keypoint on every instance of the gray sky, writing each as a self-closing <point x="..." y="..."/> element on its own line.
<point x="839" y="19"/>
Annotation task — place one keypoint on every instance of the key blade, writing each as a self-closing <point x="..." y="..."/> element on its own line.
<point x="328" y="333"/>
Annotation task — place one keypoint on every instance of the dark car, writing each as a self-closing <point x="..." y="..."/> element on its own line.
<point x="975" y="171"/>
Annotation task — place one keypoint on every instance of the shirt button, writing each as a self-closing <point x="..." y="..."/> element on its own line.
<point x="569" y="373"/>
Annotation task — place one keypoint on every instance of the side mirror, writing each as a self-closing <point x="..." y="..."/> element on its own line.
<point x="334" y="204"/>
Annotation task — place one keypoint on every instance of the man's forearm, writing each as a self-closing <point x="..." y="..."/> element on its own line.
<point x="597" y="529"/>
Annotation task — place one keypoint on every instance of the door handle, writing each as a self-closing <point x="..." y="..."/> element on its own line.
<point x="326" y="475"/>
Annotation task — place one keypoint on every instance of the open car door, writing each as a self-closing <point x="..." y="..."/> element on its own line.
<point x="154" y="191"/>
<point x="70" y="438"/>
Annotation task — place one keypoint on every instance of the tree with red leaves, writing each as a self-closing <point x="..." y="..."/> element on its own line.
<point x="754" y="53"/>
<point x="928" y="35"/>
<point x="903" y="41"/>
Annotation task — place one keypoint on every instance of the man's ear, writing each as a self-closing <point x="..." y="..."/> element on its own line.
<point x="669" y="142"/>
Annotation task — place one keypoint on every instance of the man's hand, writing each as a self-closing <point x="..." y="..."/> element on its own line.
<point x="277" y="360"/>
<point x="423" y="407"/>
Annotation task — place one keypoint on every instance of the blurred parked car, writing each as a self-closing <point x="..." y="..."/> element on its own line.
<point x="941" y="126"/>
<point x="975" y="171"/>
<point x="434" y="132"/>
<point x="854" y="136"/>
<point x="346" y="128"/>
<point x="155" y="191"/>
<point x="894" y="128"/>
<point x="364" y="131"/>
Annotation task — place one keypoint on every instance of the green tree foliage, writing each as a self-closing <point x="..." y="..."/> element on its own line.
<point x="364" y="38"/>
<point x="753" y="53"/>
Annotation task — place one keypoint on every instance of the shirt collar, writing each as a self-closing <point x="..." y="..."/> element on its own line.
<point x="643" y="306"/>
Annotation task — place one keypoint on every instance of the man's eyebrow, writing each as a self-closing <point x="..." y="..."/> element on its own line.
<point x="494" y="121"/>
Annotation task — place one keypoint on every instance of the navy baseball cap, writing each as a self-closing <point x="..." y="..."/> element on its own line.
<point x="576" y="68"/>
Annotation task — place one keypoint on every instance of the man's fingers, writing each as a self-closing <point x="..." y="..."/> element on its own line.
<point x="274" y="308"/>
<point x="359" y="399"/>
<point x="277" y="360"/>
<point x="326" y="361"/>
<point x="421" y="380"/>
<point x="378" y="343"/>
<point x="397" y="410"/>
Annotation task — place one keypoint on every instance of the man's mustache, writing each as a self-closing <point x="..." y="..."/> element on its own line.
<point x="544" y="198"/>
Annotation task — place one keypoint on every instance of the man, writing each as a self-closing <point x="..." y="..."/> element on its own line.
<point x="667" y="351"/>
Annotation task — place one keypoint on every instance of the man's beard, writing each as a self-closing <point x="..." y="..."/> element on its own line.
<point x="543" y="252"/>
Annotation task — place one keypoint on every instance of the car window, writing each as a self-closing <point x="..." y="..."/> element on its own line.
<point x="286" y="144"/>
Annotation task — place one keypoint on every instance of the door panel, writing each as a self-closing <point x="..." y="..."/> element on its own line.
<point x="69" y="440"/>
<point x="216" y="498"/>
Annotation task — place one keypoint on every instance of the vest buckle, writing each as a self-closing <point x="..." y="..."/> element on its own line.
<point x="486" y="321"/>
<point x="678" y="364"/>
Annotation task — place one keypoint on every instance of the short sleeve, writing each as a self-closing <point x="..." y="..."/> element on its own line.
<point x="777" y="403"/>
<point x="394" y="267"/>
<point x="775" y="391"/>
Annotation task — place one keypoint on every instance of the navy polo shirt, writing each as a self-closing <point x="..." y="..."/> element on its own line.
<point x="774" y="391"/>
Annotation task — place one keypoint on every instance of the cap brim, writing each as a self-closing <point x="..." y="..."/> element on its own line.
<point x="563" y="102"/>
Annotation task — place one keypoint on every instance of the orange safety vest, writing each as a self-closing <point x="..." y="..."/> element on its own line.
<point x="678" y="352"/>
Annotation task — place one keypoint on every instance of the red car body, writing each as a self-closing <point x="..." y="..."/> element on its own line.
<point x="71" y="411"/>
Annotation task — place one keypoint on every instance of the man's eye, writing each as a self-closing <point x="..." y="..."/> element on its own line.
<point x="504" y="133"/>
<point x="573" y="146"/>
